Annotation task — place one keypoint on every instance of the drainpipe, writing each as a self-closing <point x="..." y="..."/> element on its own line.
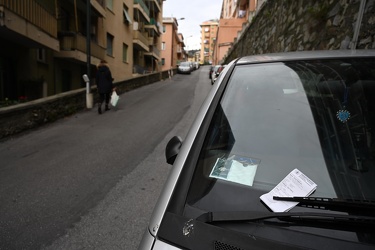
<point x="353" y="43"/>
<point x="76" y="15"/>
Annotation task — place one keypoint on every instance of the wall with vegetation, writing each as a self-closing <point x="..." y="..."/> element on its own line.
<point x="290" y="25"/>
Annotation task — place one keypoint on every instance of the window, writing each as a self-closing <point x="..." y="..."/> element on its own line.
<point x="41" y="55"/>
<point x="164" y="28"/>
<point x="125" y="52"/>
<point x="109" y="44"/>
<point x="110" y="4"/>
<point x="163" y="61"/>
<point x="163" y="46"/>
<point x="127" y="18"/>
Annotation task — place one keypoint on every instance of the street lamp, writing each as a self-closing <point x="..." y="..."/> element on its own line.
<point x="187" y="50"/>
<point x="187" y="40"/>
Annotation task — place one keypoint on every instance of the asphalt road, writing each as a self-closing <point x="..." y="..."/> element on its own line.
<point x="91" y="181"/>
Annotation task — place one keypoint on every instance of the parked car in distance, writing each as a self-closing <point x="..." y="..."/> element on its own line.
<point x="216" y="72"/>
<point x="192" y="66"/>
<point x="184" y="68"/>
<point x="210" y="71"/>
<point x="295" y="126"/>
<point x="196" y="64"/>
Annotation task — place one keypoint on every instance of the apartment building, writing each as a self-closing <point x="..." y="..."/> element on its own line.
<point x="172" y="45"/>
<point x="208" y="40"/>
<point x="44" y="43"/>
<point x="147" y="31"/>
<point x="181" y="52"/>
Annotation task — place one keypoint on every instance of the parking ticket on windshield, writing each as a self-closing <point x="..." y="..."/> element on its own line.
<point x="295" y="184"/>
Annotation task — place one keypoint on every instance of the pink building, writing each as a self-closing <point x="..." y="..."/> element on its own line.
<point x="227" y="32"/>
<point x="234" y="16"/>
<point x="172" y="46"/>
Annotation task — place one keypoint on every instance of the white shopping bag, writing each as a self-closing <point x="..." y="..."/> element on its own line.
<point x="114" y="99"/>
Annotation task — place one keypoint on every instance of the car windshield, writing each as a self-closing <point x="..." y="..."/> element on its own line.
<point x="267" y="121"/>
<point x="185" y="64"/>
<point x="316" y="116"/>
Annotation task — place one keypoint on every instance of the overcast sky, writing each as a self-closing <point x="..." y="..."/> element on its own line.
<point x="195" y="13"/>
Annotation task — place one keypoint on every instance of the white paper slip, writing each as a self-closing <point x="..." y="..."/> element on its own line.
<point x="295" y="184"/>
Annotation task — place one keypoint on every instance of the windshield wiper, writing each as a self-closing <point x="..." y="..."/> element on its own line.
<point x="332" y="204"/>
<point x="315" y="218"/>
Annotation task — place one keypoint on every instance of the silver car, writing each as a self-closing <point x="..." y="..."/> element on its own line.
<point x="184" y="68"/>
<point x="281" y="155"/>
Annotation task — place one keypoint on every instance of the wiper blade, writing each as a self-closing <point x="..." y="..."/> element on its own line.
<point x="316" y="218"/>
<point x="331" y="203"/>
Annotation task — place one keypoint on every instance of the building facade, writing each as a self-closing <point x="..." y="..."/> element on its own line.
<point x="172" y="45"/>
<point x="147" y="31"/>
<point x="208" y="40"/>
<point x="234" y="15"/>
<point x="193" y="55"/>
<point x="45" y="42"/>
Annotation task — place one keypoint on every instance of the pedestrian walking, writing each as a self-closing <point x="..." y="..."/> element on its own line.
<point x="104" y="83"/>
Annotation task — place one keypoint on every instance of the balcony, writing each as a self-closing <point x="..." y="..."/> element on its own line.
<point x="29" y="23"/>
<point x="153" y="25"/>
<point x="151" y="40"/>
<point x="73" y="46"/>
<point x="142" y="7"/>
<point x="140" y="40"/>
<point x="33" y="13"/>
<point x="154" y="52"/>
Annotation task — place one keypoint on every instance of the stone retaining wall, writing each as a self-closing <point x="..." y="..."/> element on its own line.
<point x="292" y="25"/>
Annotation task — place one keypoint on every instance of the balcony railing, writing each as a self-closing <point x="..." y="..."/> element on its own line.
<point x="33" y="13"/>
<point x="73" y="41"/>
<point x="137" y="35"/>
<point x="155" y="50"/>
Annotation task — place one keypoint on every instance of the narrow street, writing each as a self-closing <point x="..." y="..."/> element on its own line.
<point x="90" y="181"/>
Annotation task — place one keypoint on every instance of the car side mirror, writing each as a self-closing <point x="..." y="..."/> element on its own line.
<point x="172" y="149"/>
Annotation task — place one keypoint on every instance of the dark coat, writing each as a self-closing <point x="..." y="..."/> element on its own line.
<point x="104" y="80"/>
